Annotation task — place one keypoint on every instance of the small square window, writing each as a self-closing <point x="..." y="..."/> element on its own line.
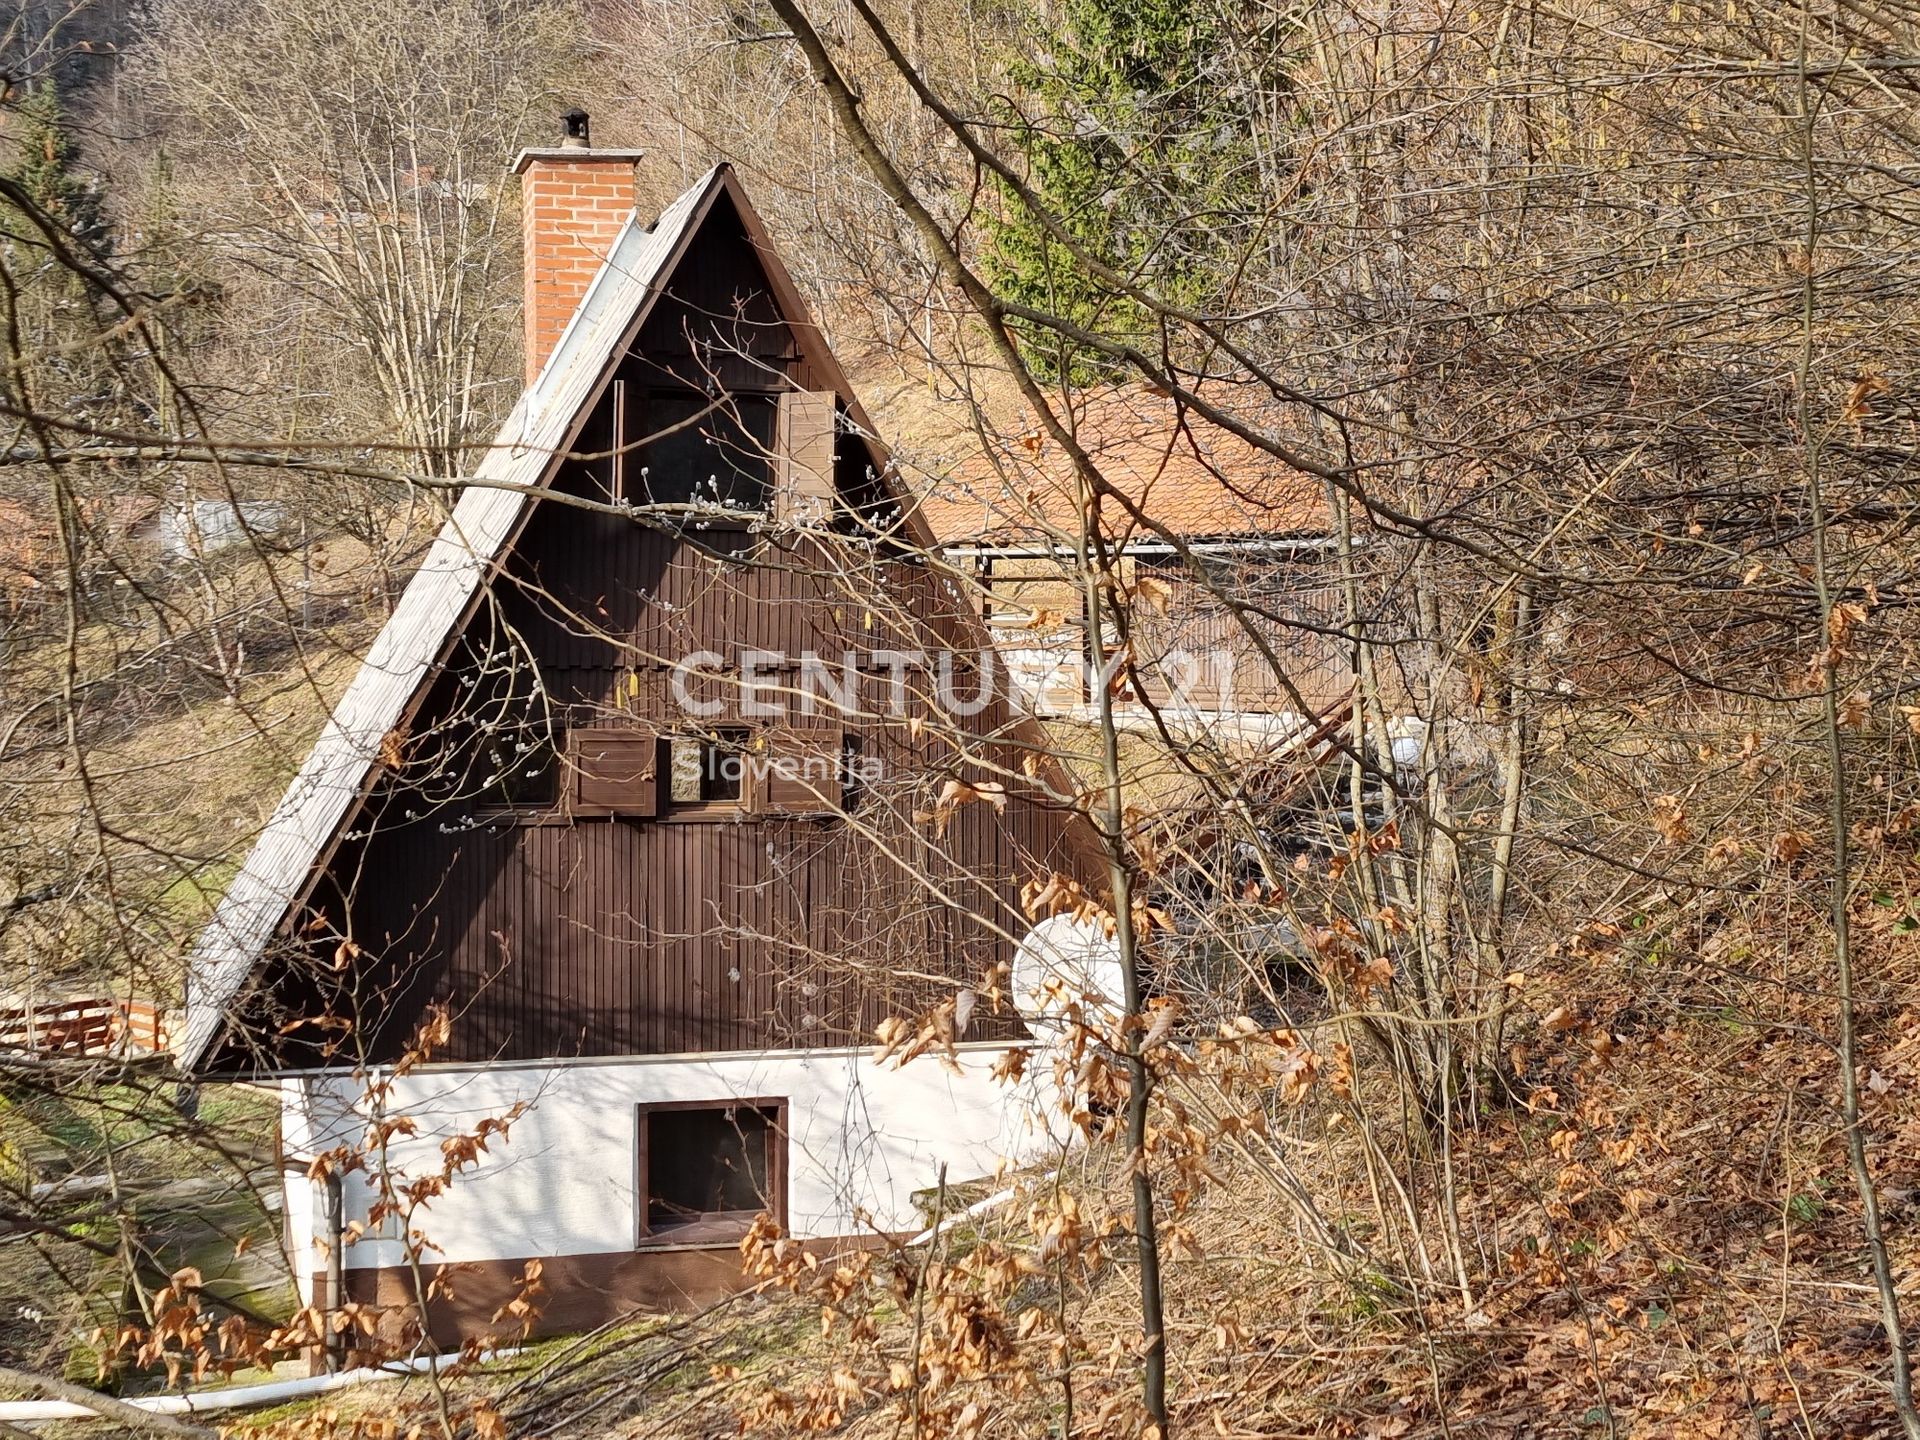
<point x="707" y="770"/>
<point x="706" y="1171"/>
<point x="517" y="768"/>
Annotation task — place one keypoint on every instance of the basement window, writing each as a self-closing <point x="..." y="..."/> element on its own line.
<point x="706" y="1170"/>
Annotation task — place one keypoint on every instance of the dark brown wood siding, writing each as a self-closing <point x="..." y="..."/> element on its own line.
<point x="547" y="933"/>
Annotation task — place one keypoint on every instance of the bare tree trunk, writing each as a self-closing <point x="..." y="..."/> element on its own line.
<point x="1839" y="820"/>
<point x="1096" y="574"/>
<point x="106" y="1406"/>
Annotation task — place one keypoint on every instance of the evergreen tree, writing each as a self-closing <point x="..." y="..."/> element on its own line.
<point x="1141" y="147"/>
<point x="71" y="366"/>
<point x="43" y="167"/>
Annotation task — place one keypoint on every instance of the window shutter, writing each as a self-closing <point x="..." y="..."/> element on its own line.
<point x="806" y="486"/>
<point x="802" y="774"/>
<point x="617" y="772"/>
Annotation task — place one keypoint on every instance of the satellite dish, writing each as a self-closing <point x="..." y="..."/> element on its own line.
<point x="1063" y="962"/>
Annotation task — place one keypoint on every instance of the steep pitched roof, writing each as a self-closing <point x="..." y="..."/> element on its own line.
<point x="521" y="459"/>
<point x="1191" y="476"/>
<point x="299" y="837"/>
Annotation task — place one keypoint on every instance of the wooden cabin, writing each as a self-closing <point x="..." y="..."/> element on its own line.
<point x="1241" y="631"/>
<point x="647" y="806"/>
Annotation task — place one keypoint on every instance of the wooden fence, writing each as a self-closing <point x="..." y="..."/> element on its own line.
<point x="85" y="1027"/>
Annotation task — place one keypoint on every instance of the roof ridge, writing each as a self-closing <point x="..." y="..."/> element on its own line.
<point x="516" y="463"/>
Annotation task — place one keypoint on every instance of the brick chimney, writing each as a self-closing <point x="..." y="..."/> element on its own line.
<point x="573" y="201"/>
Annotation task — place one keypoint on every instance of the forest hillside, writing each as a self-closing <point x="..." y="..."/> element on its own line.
<point x="1526" y="1043"/>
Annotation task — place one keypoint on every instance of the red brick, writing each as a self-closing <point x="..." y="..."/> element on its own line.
<point x="571" y="210"/>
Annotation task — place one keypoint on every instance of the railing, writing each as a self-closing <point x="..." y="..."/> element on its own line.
<point x="85" y="1027"/>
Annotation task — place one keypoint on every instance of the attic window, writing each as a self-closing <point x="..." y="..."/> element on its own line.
<point x="497" y="747"/>
<point x="705" y="452"/>
<point x="854" y="772"/>
<point x="705" y="1170"/>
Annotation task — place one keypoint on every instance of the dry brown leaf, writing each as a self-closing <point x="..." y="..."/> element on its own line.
<point x="393" y="748"/>
<point x="1857" y="408"/>
<point x="1788" y="846"/>
<point x="1153" y="593"/>
<point x="1670" y="819"/>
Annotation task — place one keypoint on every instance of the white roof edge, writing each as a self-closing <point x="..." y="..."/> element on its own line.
<point x="402" y="656"/>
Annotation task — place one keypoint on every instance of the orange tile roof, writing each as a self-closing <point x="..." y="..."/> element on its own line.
<point x="1187" y="474"/>
<point x="31" y="556"/>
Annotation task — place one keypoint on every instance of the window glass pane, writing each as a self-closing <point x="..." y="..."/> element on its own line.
<point x="853" y="773"/>
<point x="706" y="1162"/>
<point x="687" y="758"/>
<point x="499" y="746"/>
<point x="722" y="457"/>
<point x="706" y="772"/>
<point x="724" y="761"/>
<point x="519" y="766"/>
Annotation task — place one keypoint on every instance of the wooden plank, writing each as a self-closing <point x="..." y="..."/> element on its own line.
<point x="804" y="487"/>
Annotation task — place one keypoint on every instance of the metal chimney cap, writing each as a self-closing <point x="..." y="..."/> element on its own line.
<point x="575" y="147"/>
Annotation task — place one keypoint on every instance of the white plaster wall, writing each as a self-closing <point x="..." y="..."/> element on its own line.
<point x="302" y="1213"/>
<point x="862" y="1140"/>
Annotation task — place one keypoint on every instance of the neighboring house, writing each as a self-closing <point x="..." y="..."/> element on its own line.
<point x="183" y="529"/>
<point x="659" y="912"/>
<point x="1259" y="533"/>
<point x="118" y="533"/>
<point x="33" y="556"/>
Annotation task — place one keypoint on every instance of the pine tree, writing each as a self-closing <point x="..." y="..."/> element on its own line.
<point x="1141" y="148"/>
<point x="62" y="313"/>
<point x="44" y="168"/>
